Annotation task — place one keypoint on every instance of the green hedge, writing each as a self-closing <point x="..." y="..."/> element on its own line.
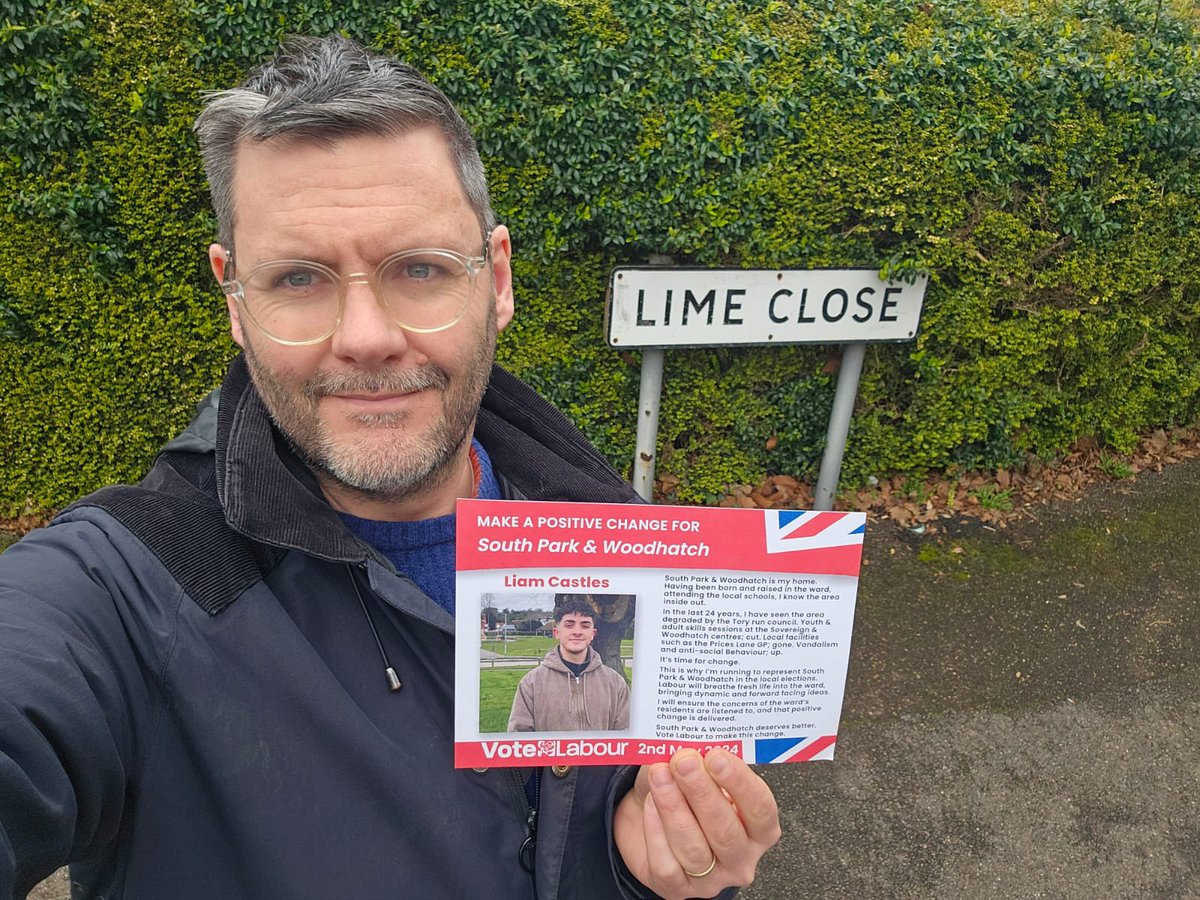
<point x="1041" y="164"/>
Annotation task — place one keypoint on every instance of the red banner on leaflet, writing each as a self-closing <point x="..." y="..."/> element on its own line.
<point x="560" y="535"/>
<point x="577" y="751"/>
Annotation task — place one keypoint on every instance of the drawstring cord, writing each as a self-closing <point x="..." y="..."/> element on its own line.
<point x="394" y="683"/>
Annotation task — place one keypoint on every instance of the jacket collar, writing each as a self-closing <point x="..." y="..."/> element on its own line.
<point x="266" y="491"/>
<point x="269" y="495"/>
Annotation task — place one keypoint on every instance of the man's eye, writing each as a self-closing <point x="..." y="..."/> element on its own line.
<point x="419" y="271"/>
<point x="295" y="279"/>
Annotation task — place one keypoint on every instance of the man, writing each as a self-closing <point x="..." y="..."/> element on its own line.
<point x="571" y="689"/>
<point x="236" y="680"/>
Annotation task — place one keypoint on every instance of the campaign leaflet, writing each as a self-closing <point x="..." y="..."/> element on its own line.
<point x="717" y="627"/>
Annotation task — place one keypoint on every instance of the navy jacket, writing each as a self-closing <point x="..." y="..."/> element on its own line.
<point x="192" y="704"/>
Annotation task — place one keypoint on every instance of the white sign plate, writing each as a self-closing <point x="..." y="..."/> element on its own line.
<point x="660" y="307"/>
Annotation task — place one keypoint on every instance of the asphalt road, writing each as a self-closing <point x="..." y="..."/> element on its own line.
<point x="1021" y="714"/>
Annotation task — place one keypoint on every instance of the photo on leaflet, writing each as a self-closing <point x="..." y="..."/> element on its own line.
<point x="555" y="662"/>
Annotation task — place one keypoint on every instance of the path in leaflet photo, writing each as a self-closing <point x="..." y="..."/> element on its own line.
<point x="1021" y="716"/>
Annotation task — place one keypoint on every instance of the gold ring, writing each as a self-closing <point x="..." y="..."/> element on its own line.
<point x="712" y="865"/>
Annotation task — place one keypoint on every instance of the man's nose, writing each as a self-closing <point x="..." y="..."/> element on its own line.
<point x="367" y="335"/>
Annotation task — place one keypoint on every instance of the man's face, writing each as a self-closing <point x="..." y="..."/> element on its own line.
<point x="575" y="632"/>
<point x="378" y="412"/>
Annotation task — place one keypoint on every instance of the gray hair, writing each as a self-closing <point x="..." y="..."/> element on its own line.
<point x="321" y="90"/>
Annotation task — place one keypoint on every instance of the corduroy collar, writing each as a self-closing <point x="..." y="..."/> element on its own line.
<point x="266" y="491"/>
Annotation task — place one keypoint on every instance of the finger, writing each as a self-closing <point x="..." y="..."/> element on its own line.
<point x="641" y="784"/>
<point x="683" y="832"/>
<point x="710" y="805"/>
<point x="751" y="795"/>
<point x="668" y="876"/>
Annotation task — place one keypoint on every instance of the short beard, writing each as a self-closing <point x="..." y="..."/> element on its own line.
<point x="377" y="470"/>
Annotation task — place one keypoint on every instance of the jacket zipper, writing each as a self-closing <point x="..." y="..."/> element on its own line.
<point x="393" y="680"/>
<point x="527" y="855"/>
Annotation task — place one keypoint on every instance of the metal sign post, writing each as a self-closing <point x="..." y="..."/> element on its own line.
<point x="653" y="308"/>
<point x="839" y="425"/>
<point x="649" y="397"/>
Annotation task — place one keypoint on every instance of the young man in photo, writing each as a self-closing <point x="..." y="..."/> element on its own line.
<point x="571" y="689"/>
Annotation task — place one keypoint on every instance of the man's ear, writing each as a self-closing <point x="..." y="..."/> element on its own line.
<point x="218" y="258"/>
<point x="501" y="255"/>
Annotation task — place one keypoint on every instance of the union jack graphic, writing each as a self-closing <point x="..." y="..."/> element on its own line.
<point x="794" y="749"/>
<point x="789" y="530"/>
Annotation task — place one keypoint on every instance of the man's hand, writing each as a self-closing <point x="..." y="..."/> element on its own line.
<point x="695" y="826"/>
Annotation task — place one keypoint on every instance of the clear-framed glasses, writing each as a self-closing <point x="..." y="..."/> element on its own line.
<point x="298" y="302"/>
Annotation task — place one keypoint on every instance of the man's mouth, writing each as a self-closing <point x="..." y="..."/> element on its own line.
<point x="372" y="403"/>
<point x="376" y="387"/>
<point x="381" y="397"/>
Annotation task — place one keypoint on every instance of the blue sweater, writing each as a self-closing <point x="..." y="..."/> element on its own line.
<point x="424" y="550"/>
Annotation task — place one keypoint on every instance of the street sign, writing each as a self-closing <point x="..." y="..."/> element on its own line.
<point x="660" y="307"/>
<point x="653" y="308"/>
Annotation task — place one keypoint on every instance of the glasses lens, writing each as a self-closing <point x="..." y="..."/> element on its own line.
<point x="292" y="301"/>
<point x="426" y="290"/>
